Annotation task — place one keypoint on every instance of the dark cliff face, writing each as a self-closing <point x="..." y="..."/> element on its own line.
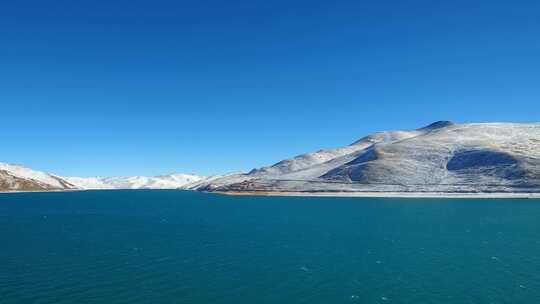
<point x="481" y="158"/>
<point x="486" y="162"/>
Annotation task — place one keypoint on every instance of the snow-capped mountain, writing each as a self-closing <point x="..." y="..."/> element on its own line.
<point x="172" y="181"/>
<point x="442" y="157"/>
<point x="19" y="178"/>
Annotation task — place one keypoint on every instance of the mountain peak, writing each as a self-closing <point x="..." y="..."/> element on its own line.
<point x="438" y="125"/>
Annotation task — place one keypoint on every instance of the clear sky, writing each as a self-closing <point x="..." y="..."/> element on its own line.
<point x="151" y="87"/>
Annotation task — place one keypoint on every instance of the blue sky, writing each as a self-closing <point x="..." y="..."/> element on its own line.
<point x="152" y="87"/>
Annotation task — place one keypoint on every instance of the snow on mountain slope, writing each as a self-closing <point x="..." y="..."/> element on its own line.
<point x="443" y="157"/>
<point x="472" y="153"/>
<point x="172" y="181"/>
<point x="19" y="178"/>
<point x="308" y="160"/>
<point x="218" y="180"/>
<point x="89" y="182"/>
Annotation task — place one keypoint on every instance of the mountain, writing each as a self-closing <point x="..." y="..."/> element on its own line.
<point x="172" y="181"/>
<point x="441" y="157"/>
<point x="19" y="178"/>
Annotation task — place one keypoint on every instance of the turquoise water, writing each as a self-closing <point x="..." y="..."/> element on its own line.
<point x="151" y="246"/>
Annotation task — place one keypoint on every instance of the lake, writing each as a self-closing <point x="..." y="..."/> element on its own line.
<point x="167" y="246"/>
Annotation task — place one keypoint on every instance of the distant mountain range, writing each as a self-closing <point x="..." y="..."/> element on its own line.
<point x="172" y="181"/>
<point x="19" y="178"/>
<point x="441" y="157"/>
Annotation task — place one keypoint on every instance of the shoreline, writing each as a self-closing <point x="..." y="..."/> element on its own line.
<point x="359" y="194"/>
<point x="494" y="195"/>
<point x="42" y="191"/>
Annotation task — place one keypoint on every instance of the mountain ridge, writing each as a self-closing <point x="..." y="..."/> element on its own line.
<point x="441" y="157"/>
<point x="171" y="181"/>
<point x="444" y="157"/>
